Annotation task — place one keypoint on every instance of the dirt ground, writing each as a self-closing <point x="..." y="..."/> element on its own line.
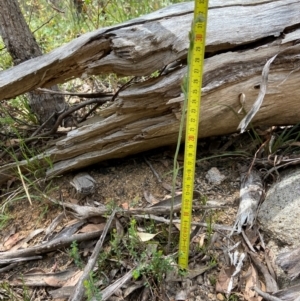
<point x="128" y="183"/>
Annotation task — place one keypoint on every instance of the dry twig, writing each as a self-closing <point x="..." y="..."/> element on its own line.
<point x="78" y="293"/>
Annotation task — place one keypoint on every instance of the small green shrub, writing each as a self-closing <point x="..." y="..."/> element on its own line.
<point x="91" y="290"/>
<point x="153" y="268"/>
<point x="74" y="254"/>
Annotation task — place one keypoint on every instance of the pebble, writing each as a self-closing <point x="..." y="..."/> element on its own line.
<point x="220" y="297"/>
<point x="214" y="176"/>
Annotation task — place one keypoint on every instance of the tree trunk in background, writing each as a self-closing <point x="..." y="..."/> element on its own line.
<point x="22" y="46"/>
<point x="78" y="4"/>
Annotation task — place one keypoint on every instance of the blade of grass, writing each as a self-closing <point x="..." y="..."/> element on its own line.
<point x="24" y="186"/>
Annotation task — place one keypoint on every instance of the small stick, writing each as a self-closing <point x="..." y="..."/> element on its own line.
<point x="266" y="295"/>
<point x="9" y="267"/>
<point x="83" y="95"/>
<point x="24" y="185"/>
<point x="215" y="227"/>
<point x="50" y="246"/>
<point x="153" y="170"/>
<point x="271" y="284"/>
<point x="79" y="290"/>
<point x="247" y="241"/>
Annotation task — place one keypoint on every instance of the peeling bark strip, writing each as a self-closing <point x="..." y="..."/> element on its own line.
<point x="251" y="192"/>
<point x="241" y="38"/>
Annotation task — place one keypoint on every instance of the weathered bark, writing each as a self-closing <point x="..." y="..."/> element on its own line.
<point x="290" y="262"/>
<point x="22" y="46"/>
<point x="241" y="37"/>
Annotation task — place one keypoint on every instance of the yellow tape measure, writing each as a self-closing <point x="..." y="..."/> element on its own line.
<point x="192" y="120"/>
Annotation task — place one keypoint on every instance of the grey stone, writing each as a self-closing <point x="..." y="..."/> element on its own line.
<point x="83" y="183"/>
<point x="279" y="215"/>
<point x="214" y="176"/>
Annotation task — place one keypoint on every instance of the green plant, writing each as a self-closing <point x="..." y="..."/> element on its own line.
<point x="286" y="141"/>
<point x="213" y="280"/>
<point x="24" y="113"/>
<point x="110" y="206"/>
<point x="17" y="113"/>
<point x="102" y="258"/>
<point x="152" y="264"/>
<point x="159" y="265"/>
<point x="91" y="290"/>
<point x="233" y="297"/>
<point x="74" y="254"/>
<point x="155" y="268"/>
<point x="5" y="57"/>
<point x="183" y="273"/>
<point x="30" y="173"/>
<point x="203" y="200"/>
<point x="150" y="226"/>
<point x="209" y="228"/>
<point x="4" y="218"/>
<point x="8" y="293"/>
<point x="281" y="141"/>
<point x="25" y="293"/>
<point x="33" y="190"/>
<point x="132" y="242"/>
<point x="213" y="262"/>
<point x="43" y="213"/>
<point x="114" y="243"/>
<point x="20" y="150"/>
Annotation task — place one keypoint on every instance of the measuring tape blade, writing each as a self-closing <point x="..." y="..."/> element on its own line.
<point x="196" y="62"/>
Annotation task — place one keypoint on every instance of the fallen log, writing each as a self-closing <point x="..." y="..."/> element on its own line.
<point x="241" y="37"/>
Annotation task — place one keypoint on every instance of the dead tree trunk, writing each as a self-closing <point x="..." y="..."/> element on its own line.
<point x="242" y="35"/>
<point x="22" y="46"/>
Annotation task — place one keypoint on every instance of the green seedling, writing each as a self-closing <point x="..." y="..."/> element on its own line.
<point x="74" y="254"/>
<point x="91" y="289"/>
<point x="114" y="243"/>
<point x="213" y="280"/>
<point x="155" y="268"/>
<point x="4" y="218"/>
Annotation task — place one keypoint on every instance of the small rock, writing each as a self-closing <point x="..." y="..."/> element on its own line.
<point x="83" y="183"/>
<point x="200" y="279"/>
<point x="181" y="296"/>
<point x="279" y="213"/>
<point x="214" y="176"/>
<point x="279" y="217"/>
<point x="220" y="297"/>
